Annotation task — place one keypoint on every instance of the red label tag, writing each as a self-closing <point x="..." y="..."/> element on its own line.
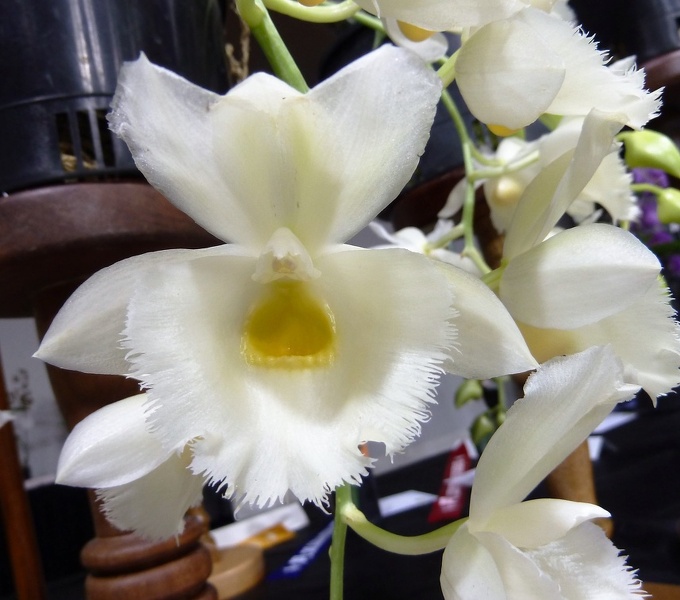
<point x="453" y="496"/>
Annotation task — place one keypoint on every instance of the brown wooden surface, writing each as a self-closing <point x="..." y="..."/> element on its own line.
<point x="662" y="591"/>
<point x="63" y="233"/>
<point x="16" y="514"/>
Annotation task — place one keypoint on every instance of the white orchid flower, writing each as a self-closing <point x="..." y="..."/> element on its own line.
<point x="588" y="285"/>
<point x="268" y="361"/>
<point x="512" y="71"/>
<point x="545" y="548"/>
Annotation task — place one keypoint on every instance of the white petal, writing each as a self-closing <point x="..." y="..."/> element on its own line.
<point x="257" y="422"/>
<point x="167" y="122"/>
<point x="645" y="336"/>
<point x="508" y="74"/>
<point x="480" y="310"/>
<point x="454" y="201"/>
<point x="568" y="397"/>
<point x="264" y="155"/>
<point x="360" y="148"/>
<point x="469" y="571"/>
<point x="586" y="565"/>
<point x="442" y="15"/>
<point x="86" y="333"/>
<point x="430" y="50"/>
<point x="589" y="83"/>
<point x="610" y="188"/>
<point x="111" y="447"/>
<point x="522" y="577"/>
<point x="609" y="185"/>
<point x="154" y="505"/>
<point x="560" y="182"/>
<point x="577" y="277"/>
<point x="537" y="522"/>
<point x="585" y="82"/>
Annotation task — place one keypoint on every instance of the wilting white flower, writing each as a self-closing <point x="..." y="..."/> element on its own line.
<point x="514" y="550"/>
<point x="512" y="71"/>
<point x="268" y="361"/>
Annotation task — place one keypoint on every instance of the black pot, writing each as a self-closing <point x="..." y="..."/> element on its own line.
<point x="59" y="61"/>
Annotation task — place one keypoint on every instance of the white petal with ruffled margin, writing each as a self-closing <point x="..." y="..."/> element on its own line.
<point x="586" y="565"/>
<point x="521" y="453"/>
<point x="154" y="505"/>
<point x="265" y="155"/>
<point x="645" y="336"/>
<point x="87" y="331"/>
<point x="256" y="424"/>
<point x="578" y="277"/>
<point x="544" y="64"/>
<point x="473" y="357"/>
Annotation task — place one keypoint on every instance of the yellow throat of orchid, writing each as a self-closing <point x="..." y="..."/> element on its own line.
<point x="289" y="328"/>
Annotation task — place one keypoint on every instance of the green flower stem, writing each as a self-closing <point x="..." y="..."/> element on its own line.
<point x="324" y="13"/>
<point x="481" y="158"/>
<point x="399" y="544"/>
<point x="369" y="21"/>
<point x="492" y="279"/>
<point x="256" y="16"/>
<point x="470" y="250"/>
<point x="455" y="233"/>
<point x="343" y="498"/>
<point x="447" y="70"/>
<point x="646" y="187"/>
<point x="491" y="172"/>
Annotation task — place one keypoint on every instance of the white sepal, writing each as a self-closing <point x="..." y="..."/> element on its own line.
<point x="112" y="446"/>
<point x="577" y="277"/>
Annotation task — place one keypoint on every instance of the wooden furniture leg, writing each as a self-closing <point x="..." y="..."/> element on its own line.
<point x="27" y="571"/>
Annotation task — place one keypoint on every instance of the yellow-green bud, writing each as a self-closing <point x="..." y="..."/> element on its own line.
<point x="668" y="207"/>
<point x="648" y="148"/>
<point x="468" y="391"/>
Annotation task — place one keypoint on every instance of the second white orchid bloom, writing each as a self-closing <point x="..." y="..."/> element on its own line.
<point x="538" y="549"/>
<point x="590" y="285"/>
<point x="512" y="71"/>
